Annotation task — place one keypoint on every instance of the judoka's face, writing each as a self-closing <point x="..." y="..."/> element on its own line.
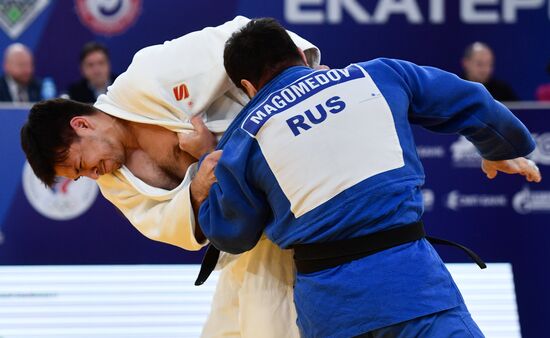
<point x="95" y="152"/>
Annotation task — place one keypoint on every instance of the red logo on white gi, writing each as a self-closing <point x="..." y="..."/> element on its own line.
<point x="181" y="92"/>
<point x="108" y="17"/>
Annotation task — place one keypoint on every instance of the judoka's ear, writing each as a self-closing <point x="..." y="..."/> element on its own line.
<point x="249" y="88"/>
<point x="79" y="123"/>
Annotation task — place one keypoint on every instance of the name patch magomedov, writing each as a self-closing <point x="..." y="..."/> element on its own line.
<point x="296" y="93"/>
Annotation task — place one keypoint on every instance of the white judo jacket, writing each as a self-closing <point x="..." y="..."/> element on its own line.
<point x="166" y="85"/>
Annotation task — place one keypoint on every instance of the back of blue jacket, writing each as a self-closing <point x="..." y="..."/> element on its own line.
<point x="324" y="155"/>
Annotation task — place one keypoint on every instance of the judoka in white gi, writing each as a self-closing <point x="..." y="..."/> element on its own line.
<point x="165" y="86"/>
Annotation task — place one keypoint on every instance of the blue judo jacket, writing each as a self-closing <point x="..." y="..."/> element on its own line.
<point x="325" y="155"/>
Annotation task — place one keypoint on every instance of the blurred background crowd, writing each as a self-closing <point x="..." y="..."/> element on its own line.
<point x="20" y="84"/>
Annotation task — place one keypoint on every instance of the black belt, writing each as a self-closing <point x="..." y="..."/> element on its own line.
<point x="320" y="256"/>
<point x="208" y="264"/>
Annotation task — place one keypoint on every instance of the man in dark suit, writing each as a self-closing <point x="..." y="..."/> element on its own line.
<point x="95" y="68"/>
<point x="18" y="83"/>
<point x="478" y="65"/>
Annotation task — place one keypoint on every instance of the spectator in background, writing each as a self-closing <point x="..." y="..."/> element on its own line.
<point x="478" y="65"/>
<point x="95" y="68"/>
<point x="543" y="91"/>
<point x="18" y="83"/>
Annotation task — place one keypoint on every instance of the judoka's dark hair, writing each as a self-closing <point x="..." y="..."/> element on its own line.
<point x="47" y="135"/>
<point x="258" y="52"/>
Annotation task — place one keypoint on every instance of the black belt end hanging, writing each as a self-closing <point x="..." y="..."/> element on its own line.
<point x="208" y="264"/>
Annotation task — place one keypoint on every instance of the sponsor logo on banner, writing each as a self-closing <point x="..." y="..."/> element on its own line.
<point x="17" y="15"/>
<point x="527" y="201"/>
<point x="108" y="17"/>
<point x="541" y="155"/>
<point x="457" y="201"/>
<point x="429" y="199"/>
<point x="430" y="151"/>
<point x="66" y="200"/>
<point x="465" y="154"/>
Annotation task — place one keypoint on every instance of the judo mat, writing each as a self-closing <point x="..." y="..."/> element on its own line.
<point x="160" y="301"/>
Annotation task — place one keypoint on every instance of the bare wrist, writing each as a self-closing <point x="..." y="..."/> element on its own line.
<point x="197" y="197"/>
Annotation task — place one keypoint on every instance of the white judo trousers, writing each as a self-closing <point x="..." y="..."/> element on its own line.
<point x="166" y="85"/>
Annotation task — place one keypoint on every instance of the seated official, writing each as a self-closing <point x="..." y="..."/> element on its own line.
<point x="95" y="67"/>
<point x="18" y="83"/>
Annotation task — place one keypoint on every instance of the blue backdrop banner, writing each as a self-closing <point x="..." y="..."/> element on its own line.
<point x="433" y="32"/>
<point x="505" y="220"/>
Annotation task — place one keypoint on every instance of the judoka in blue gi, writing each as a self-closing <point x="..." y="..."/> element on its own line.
<point x="324" y="161"/>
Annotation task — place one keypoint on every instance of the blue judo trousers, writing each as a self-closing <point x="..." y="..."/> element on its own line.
<point x="452" y="323"/>
<point x="328" y="155"/>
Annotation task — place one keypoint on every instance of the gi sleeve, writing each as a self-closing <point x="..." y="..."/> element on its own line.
<point x="164" y="216"/>
<point x="167" y="84"/>
<point x="236" y="211"/>
<point x="442" y="102"/>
